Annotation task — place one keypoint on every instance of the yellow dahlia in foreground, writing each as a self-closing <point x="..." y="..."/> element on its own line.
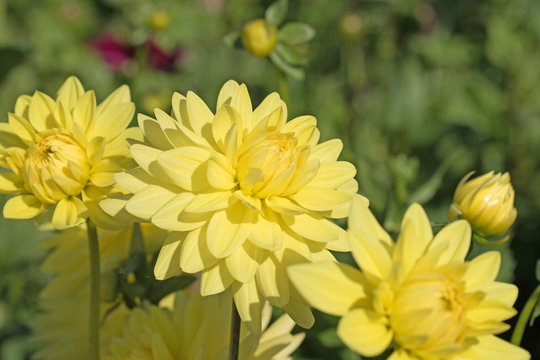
<point x="418" y="295"/>
<point x="245" y="194"/>
<point x="193" y="327"/>
<point x="61" y="327"/>
<point x="61" y="155"/>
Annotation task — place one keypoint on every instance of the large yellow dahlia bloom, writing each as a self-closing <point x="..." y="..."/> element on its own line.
<point x="61" y="327"/>
<point x="186" y="327"/>
<point x="417" y="295"/>
<point x="62" y="154"/>
<point x="244" y="192"/>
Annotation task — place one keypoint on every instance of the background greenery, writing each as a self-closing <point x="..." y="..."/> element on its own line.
<point x="421" y="92"/>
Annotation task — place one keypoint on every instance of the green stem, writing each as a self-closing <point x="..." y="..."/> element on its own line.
<point x="284" y="87"/>
<point x="95" y="291"/>
<point x="234" y="348"/>
<point x="519" y="329"/>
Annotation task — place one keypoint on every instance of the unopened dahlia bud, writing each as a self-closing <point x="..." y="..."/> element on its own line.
<point x="160" y="20"/>
<point x="486" y="202"/>
<point x="259" y="38"/>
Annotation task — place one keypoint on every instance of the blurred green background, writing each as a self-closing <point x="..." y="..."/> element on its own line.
<point x="421" y="92"/>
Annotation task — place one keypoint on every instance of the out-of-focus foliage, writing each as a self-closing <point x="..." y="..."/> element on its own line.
<point x="421" y="92"/>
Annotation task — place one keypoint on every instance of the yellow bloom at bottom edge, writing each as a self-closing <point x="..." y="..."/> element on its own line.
<point x="417" y="295"/>
<point x="193" y="327"/>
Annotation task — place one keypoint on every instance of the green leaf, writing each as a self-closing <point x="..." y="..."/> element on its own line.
<point x="275" y="14"/>
<point x="538" y="270"/>
<point x="232" y="39"/>
<point x="291" y="55"/>
<point x="290" y="70"/>
<point x="295" y="33"/>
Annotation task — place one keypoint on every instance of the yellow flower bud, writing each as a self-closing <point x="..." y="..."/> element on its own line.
<point x="160" y="20"/>
<point x="352" y="25"/>
<point x="55" y="166"/>
<point x="486" y="202"/>
<point x="259" y="38"/>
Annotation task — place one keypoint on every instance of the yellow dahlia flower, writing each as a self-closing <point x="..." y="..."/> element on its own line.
<point x="486" y="202"/>
<point x="61" y="328"/>
<point x="62" y="154"/>
<point x="193" y="327"/>
<point x="244" y="192"/>
<point x="417" y="295"/>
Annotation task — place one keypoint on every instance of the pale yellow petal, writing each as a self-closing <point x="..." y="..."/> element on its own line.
<point x="304" y="128"/>
<point x="333" y="288"/>
<point x="215" y="279"/>
<point x="21" y="105"/>
<point x="320" y="199"/>
<point x="313" y="226"/>
<point x="184" y="166"/>
<point x="118" y="96"/>
<point x="241" y="102"/>
<point x="84" y="112"/>
<point x="219" y="175"/>
<point x="365" y="332"/>
<point x="299" y="310"/>
<point x="244" y="261"/>
<point x="414" y="237"/>
<point x="273" y="282"/>
<point x="199" y="114"/>
<point x="249" y="304"/>
<point x="23" y="207"/>
<point x="227" y="92"/>
<point x="266" y="232"/>
<point x="22" y="128"/>
<point x="284" y="206"/>
<point x="153" y="132"/>
<point x="458" y="237"/>
<point x="328" y="151"/>
<point x="10" y="183"/>
<point x="482" y="270"/>
<point x="40" y="112"/>
<point x="168" y="260"/>
<point x="269" y="105"/>
<point x="112" y="120"/>
<point x="209" y="202"/>
<point x="195" y="255"/>
<point x="69" y="212"/>
<point x="493" y="348"/>
<point x="145" y="203"/>
<point x="334" y="174"/>
<point x="167" y="216"/>
<point x="228" y="229"/>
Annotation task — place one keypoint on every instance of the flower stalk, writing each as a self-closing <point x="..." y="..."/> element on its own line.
<point x="524" y="316"/>
<point x="234" y="348"/>
<point x="95" y="291"/>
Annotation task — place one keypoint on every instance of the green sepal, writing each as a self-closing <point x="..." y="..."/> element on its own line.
<point x="296" y="33"/>
<point x="292" y="71"/>
<point x="290" y="54"/>
<point x="276" y="13"/>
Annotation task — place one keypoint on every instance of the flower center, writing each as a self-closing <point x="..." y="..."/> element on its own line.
<point x="428" y="315"/>
<point x="55" y="166"/>
<point x="267" y="162"/>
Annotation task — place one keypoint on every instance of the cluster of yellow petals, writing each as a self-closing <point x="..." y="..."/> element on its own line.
<point x="61" y="155"/>
<point x="61" y="327"/>
<point x="244" y="192"/>
<point x="417" y="295"/>
<point x="185" y="327"/>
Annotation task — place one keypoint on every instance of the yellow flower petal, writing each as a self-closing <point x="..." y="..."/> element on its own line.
<point x="40" y="112"/>
<point x="145" y="203"/>
<point x="208" y="202"/>
<point x="266" y="232"/>
<point x="69" y="212"/>
<point x="118" y="96"/>
<point x="457" y="236"/>
<point x="22" y="207"/>
<point x="493" y="348"/>
<point x="227" y="92"/>
<point x="269" y="105"/>
<point x="328" y="151"/>
<point x="22" y="128"/>
<point x="304" y="128"/>
<point x="320" y="199"/>
<point x="334" y="288"/>
<point x="168" y="260"/>
<point x="273" y="282"/>
<point x="243" y="262"/>
<point x="365" y="332"/>
<point x="298" y="310"/>
<point x="228" y="229"/>
<point x="195" y="255"/>
<point x="332" y="175"/>
<point x="284" y="206"/>
<point x="313" y="227"/>
<point x="249" y="305"/>
<point x="199" y="114"/>
<point x="153" y="132"/>
<point x="183" y="166"/>
<point x="215" y="279"/>
<point x="111" y="121"/>
<point x="84" y="111"/>
<point x="168" y="215"/>
<point x="241" y="102"/>
<point x="10" y="183"/>
<point x="482" y="270"/>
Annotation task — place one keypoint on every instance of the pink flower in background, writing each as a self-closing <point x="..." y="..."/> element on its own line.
<point x="159" y="59"/>
<point x="117" y="54"/>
